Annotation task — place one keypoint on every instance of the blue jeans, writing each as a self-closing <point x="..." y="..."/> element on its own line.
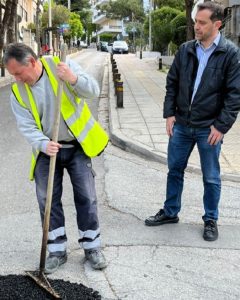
<point x="180" y="147"/>
<point x="79" y="168"/>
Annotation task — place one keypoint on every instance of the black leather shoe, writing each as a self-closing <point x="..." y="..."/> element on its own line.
<point x="210" y="232"/>
<point x="160" y="218"/>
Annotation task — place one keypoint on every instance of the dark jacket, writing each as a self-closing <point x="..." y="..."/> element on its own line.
<point x="217" y="100"/>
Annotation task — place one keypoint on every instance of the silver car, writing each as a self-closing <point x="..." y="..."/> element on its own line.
<point x="120" y="47"/>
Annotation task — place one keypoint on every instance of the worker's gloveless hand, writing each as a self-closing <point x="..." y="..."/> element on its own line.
<point x="65" y="74"/>
<point x="52" y="148"/>
<point x="215" y="136"/>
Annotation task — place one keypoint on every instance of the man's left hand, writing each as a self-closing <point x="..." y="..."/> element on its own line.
<point x="215" y="136"/>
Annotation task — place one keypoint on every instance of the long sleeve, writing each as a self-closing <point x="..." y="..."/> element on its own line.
<point x="86" y="86"/>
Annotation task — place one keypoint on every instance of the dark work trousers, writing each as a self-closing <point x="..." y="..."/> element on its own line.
<point x="79" y="168"/>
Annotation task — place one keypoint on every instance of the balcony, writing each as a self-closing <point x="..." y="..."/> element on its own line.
<point x="110" y="29"/>
<point x="99" y="18"/>
<point x="100" y="2"/>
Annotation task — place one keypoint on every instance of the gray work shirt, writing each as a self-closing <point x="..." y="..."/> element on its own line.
<point x="85" y="87"/>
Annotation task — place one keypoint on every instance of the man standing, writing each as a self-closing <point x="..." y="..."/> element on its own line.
<point x="201" y="104"/>
<point x="80" y="137"/>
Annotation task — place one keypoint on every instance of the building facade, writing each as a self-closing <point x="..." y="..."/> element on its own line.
<point x="232" y="21"/>
<point x="26" y="14"/>
<point x="26" y="11"/>
<point x="104" y="24"/>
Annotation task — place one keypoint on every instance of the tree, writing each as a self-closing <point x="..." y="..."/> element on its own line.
<point x="178" y="28"/>
<point x="189" y="7"/>
<point x="11" y="31"/>
<point x="38" y="31"/>
<point x="122" y="9"/>
<point x="178" y="4"/>
<point x="161" y="29"/>
<point x="7" y="21"/>
<point x="76" y="5"/>
<point x="60" y="15"/>
<point x="82" y="8"/>
<point x="76" y="28"/>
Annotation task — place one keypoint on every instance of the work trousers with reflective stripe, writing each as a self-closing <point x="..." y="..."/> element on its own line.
<point x="79" y="168"/>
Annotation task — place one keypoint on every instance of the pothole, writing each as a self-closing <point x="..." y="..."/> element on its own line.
<point x="20" y="287"/>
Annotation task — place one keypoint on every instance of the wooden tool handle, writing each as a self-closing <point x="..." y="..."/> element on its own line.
<point x="52" y="168"/>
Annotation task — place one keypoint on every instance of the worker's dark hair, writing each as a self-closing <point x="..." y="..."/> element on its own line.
<point x="216" y="9"/>
<point x="20" y="52"/>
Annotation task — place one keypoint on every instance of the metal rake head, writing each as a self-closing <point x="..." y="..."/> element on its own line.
<point x="42" y="281"/>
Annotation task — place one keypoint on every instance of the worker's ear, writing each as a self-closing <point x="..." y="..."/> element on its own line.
<point x="32" y="61"/>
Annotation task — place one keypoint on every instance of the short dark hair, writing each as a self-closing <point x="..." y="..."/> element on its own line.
<point x="20" y="52"/>
<point x="216" y="9"/>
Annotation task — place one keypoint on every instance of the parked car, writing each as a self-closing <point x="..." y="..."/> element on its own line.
<point x="83" y="44"/>
<point x="119" y="47"/>
<point x="104" y="46"/>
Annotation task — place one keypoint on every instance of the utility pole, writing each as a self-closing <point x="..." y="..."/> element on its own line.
<point x="69" y="5"/>
<point x="50" y="24"/>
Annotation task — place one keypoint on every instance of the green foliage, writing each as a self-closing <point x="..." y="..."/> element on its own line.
<point x="122" y="9"/>
<point x="161" y="29"/>
<point x="172" y="48"/>
<point x="32" y="27"/>
<point x="76" y="28"/>
<point x="137" y="27"/>
<point x="60" y="15"/>
<point x="178" y="4"/>
<point x="76" y="5"/>
<point x="107" y="37"/>
<point x="179" y="28"/>
<point x="86" y="18"/>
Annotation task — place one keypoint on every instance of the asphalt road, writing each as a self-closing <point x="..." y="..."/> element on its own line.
<point x="166" y="262"/>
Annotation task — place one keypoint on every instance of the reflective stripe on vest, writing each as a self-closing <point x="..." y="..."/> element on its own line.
<point x="22" y="91"/>
<point x="75" y="113"/>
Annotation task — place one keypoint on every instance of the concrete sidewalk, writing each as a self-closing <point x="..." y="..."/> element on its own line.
<point x="140" y="128"/>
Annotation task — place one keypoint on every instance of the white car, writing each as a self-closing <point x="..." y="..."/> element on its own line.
<point x="119" y="47"/>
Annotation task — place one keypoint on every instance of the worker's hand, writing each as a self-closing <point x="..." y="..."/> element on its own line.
<point x="169" y="125"/>
<point x="65" y="73"/>
<point x="215" y="136"/>
<point x="52" y="148"/>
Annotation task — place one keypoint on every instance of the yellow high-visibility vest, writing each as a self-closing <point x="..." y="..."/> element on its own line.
<point x="77" y="116"/>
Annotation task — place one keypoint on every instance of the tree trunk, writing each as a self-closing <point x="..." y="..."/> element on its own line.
<point x="12" y="24"/>
<point x="190" y="31"/>
<point x="39" y="2"/>
<point x="5" y="21"/>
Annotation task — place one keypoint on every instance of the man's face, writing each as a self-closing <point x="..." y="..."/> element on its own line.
<point x="22" y="73"/>
<point x="205" y="29"/>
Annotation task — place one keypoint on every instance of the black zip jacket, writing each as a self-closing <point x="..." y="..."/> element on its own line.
<point x="217" y="100"/>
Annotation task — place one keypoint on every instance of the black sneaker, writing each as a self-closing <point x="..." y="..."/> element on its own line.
<point x="96" y="258"/>
<point x="160" y="218"/>
<point x="53" y="262"/>
<point x="210" y="232"/>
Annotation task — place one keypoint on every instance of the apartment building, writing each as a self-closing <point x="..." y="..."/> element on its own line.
<point x="105" y="25"/>
<point x="26" y="11"/>
<point x="26" y="14"/>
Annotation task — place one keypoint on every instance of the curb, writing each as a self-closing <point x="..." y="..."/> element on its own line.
<point x="120" y="140"/>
